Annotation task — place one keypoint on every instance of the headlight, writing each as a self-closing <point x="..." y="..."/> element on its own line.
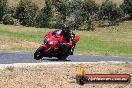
<point x="51" y="43"/>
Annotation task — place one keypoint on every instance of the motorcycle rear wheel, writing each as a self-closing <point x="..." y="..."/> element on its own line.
<point x="39" y="53"/>
<point x="62" y="57"/>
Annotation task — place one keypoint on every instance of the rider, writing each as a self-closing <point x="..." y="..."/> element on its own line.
<point x="69" y="36"/>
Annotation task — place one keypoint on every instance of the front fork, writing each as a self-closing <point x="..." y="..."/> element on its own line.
<point x="72" y="50"/>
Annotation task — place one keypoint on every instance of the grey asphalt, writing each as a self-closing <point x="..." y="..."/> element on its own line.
<point x="27" y="57"/>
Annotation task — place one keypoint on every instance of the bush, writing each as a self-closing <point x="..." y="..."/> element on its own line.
<point x="60" y="12"/>
<point x="8" y="19"/>
<point x="2" y="8"/>
<point x="26" y="12"/>
<point x="10" y="10"/>
<point x="127" y="7"/>
<point x="88" y="10"/>
<point x="45" y="15"/>
<point x="109" y="11"/>
<point x="58" y="25"/>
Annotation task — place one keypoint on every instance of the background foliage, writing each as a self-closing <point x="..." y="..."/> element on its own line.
<point x="2" y="8"/>
<point x="79" y="14"/>
<point x="26" y="12"/>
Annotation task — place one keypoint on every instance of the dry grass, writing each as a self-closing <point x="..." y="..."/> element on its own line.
<point x="12" y="28"/>
<point x="12" y="43"/>
<point x="60" y="76"/>
<point x="40" y="3"/>
<point x="118" y="2"/>
<point x="10" y="68"/>
<point x="14" y="3"/>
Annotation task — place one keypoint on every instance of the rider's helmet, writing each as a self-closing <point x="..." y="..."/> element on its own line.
<point x="65" y="28"/>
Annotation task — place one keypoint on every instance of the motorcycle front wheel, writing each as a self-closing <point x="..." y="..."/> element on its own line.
<point x="39" y="53"/>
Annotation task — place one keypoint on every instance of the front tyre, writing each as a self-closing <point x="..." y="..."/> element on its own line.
<point x="39" y="53"/>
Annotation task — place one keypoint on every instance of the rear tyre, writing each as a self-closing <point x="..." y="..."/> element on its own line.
<point x="62" y="57"/>
<point x="39" y="53"/>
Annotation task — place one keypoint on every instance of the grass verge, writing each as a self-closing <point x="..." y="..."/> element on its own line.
<point x="109" y="41"/>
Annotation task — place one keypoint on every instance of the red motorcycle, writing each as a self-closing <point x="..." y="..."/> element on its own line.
<point x="54" y="46"/>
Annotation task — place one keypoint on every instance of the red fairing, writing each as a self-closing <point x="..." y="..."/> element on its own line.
<point x="46" y="47"/>
<point x="61" y="39"/>
<point x="55" y="46"/>
<point x="70" y="44"/>
<point x="53" y="38"/>
<point x="77" y="38"/>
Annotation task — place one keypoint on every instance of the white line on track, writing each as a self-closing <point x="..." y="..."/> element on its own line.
<point x="2" y="66"/>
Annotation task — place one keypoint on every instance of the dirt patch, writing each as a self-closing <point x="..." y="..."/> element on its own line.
<point x="9" y="44"/>
<point x="60" y="76"/>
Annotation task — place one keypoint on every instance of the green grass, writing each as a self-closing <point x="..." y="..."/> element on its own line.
<point x="30" y="36"/>
<point x="23" y="33"/>
<point x="101" y="45"/>
<point x="110" y="41"/>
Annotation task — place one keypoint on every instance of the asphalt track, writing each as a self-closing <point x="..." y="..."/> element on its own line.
<point x="27" y="57"/>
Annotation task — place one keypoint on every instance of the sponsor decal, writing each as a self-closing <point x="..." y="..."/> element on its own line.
<point x="83" y="78"/>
